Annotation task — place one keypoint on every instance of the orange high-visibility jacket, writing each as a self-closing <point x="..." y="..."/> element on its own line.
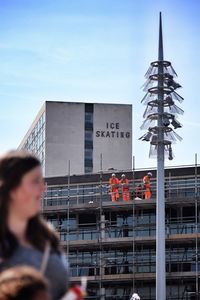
<point x="114" y="181"/>
<point x="146" y="180"/>
<point x="125" y="183"/>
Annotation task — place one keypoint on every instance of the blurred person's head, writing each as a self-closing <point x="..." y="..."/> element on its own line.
<point x="21" y="183"/>
<point x="21" y="189"/>
<point x="23" y="283"/>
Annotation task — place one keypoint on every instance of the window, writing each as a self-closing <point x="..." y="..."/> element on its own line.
<point x="35" y="143"/>
<point x="88" y="153"/>
<point x="89" y="121"/>
<point x="88" y="144"/>
<point x="88" y="169"/>
<point x="88" y="135"/>
<point x="89" y="117"/>
<point x="88" y="163"/>
<point x="87" y="220"/>
<point x="89" y="108"/>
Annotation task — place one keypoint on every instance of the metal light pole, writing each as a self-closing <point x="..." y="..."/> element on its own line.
<point x="160" y="207"/>
<point x="159" y="115"/>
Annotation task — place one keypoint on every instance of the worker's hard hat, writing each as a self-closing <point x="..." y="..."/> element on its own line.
<point x="113" y="174"/>
<point x="135" y="297"/>
<point x="123" y="175"/>
<point x="149" y="174"/>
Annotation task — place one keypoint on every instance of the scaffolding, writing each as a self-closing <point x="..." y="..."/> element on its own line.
<point x="114" y="243"/>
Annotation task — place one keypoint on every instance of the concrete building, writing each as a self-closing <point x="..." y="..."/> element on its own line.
<point x="80" y="133"/>
<point x="114" y="243"/>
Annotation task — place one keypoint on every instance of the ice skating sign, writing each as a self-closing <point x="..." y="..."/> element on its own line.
<point x="113" y="130"/>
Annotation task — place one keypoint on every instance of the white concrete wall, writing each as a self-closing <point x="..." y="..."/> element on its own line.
<point x="114" y="142"/>
<point x="64" y="138"/>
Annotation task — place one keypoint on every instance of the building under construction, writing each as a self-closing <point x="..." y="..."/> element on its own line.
<point x="114" y="243"/>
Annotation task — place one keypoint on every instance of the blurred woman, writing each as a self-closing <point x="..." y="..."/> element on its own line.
<point x="25" y="237"/>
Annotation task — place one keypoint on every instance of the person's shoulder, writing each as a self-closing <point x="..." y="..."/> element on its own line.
<point x="64" y="260"/>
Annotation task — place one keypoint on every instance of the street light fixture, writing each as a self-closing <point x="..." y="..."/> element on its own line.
<point x="160" y="121"/>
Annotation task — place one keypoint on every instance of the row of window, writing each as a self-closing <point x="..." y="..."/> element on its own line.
<point x="183" y="289"/>
<point x="36" y="136"/>
<point x="93" y="257"/>
<point x="125" y="268"/>
<point x="36" y="140"/>
<point x="95" y="192"/>
<point x="88" y="155"/>
<point x="178" y="218"/>
<point x="176" y="258"/>
<point x="94" y="234"/>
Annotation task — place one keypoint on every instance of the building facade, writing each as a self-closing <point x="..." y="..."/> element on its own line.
<point x="88" y="137"/>
<point x="114" y="244"/>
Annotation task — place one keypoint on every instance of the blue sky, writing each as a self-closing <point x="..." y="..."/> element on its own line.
<point x="96" y="51"/>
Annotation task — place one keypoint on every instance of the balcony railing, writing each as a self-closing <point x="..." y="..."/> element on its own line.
<point x="147" y="230"/>
<point x="76" y="194"/>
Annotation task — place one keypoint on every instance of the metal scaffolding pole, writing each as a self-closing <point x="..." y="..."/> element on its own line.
<point x="102" y="234"/>
<point x="68" y="207"/>
<point x="160" y="206"/>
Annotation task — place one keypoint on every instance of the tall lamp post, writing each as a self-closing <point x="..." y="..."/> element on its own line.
<point x="160" y="121"/>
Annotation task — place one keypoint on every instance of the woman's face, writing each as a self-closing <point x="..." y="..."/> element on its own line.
<point x="26" y="198"/>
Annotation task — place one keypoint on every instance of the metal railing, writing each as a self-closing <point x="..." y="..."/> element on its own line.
<point x="145" y="230"/>
<point x="91" y="193"/>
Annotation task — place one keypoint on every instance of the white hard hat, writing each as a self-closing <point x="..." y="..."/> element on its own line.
<point x="113" y="174"/>
<point x="149" y="174"/>
<point x="135" y="297"/>
<point x="123" y="175"/>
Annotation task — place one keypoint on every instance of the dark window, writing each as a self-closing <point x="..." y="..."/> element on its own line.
<point x="89" y="108"/>
<point x="88" y="126"/>
<point x="89" y="117"/>
<point x="88" y="169"/>
<point x="87" y="220"/>
<point x="88" y="144"/>
<point x="88" y="153"/>
<point x="88" y="163"/>
<point x="88" y="135"/>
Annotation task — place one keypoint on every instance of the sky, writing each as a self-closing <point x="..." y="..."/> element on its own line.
<point x="96" y="51"/>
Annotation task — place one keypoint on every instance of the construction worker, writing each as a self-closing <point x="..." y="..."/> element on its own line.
<point x="114" y="184"/>
<point x="147" y="185"/>
<point x="138" y="192"/>
<point x="125" y="188"/>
